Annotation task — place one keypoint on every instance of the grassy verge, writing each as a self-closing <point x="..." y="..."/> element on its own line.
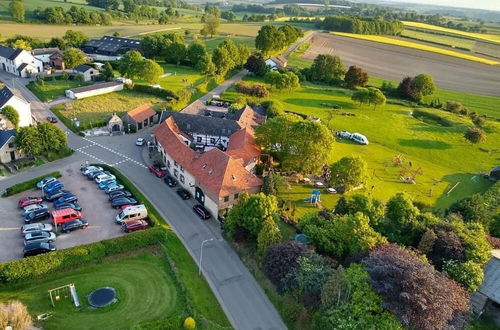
<point x="481" y="36"/>
<point x="419" y="46"/>
<point x="27" y="185"/>
<point x="50" y="89"/>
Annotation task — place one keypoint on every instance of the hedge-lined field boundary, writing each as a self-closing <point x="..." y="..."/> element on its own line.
<point x="27" y="185"/>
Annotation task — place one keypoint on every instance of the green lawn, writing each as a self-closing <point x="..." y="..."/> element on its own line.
<point x="441" y="153"/>
<point x="49" y="90"/>
<point x="212" y="43"/>
<point x="145" y="289"/>
<point x="99" y="108"/>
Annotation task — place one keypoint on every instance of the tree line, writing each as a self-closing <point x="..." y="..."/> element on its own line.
<point x="353" y="24"/>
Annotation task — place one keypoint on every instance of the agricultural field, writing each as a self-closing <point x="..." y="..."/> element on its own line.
<point x="96" y="109"/>
<point x="436" y="148"/>
<point x="481" y="36"/>
<point x="419" y="46"/>
<point x="51" y="89"/>
<point x="441" y="39"/>
<point x="31" y="5"/>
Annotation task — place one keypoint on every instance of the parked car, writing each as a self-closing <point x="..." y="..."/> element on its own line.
<point x="56" y="194"/>
<point x="359" y="138"/>
<point x="171" y="182"/>
<point x="345" y="134"/>
<point x="36" y="215"/>
<point x="119" y="193"/>
<point x="53" y="186"/>
<point x="67" y="198"/>
<point x="33" y="207"/>
<point x="87" y="169"/>
<point x="52" y="119"/>
<point x="158" y="171"/>
<point x="136" y="212"/>
<point x="117" y="202"/>
<point x="104" y="177"/>
<point x="33" y="249"/>
<point x="45" y="181"/>
<point x="183" y="193"/>
<point x="39" y="236"/>
<point x="140" y="142"/>
<point x="104" y="184"/>
<point x="202" y="212"/>
<point x="26" y="201"/>
<point x="74" y="225"/>
<point x="34" y="227"/>
<point x="113" y="187"/>
<point x="93" y="174"/>
<point x="74" y="206"/>
<point x="133" y="225"/>
<point x="123" y="207"/>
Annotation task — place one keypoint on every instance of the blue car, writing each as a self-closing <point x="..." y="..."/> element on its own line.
<point x="106" y="183"/>
<point x="113" y="187"/>
<point x="68" y="198"/>
<point x="53" y="186"/>
<point x="45" y="181"/>
<point x="53" y="195"/>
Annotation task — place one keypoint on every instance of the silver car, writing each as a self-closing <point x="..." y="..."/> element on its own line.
<point x="34" y="227"/>
<point x="30" y="208"/>
<point x="39" y="237"/>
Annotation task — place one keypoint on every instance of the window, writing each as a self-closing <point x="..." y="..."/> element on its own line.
<point x="176" y="173"/>
<point x="11" y="145"/>
<point x="182" y="169"/>
<point x="226" y="199"/>
<point x="212" y="140"/>
<point x="168" y="163"/>
<point x="181" y="178"/>
<point x="198" y="139"/>
<point x="175" y="164"/>
<point x="236" y="196"/>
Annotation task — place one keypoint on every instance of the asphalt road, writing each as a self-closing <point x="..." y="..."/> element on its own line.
<point x="394" y="63"/>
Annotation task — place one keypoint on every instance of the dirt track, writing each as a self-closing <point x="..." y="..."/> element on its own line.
<point x="393" y="62"/>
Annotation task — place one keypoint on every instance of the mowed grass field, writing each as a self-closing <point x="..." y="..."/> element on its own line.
<point x="145" y="290"/>
<point x="31" y="5"/>
<point x="440" y="153"/>
<point x="50" y="90"/>
<point x="99" y="108"/>
<point x="419" y="46"/>
<point x="481" y="36"/>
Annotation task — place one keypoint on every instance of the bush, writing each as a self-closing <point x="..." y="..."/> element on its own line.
<point x="475" y="135"/>
<point x="29" y="268"/>
<point x="281" y="260"/>
<point x="15" y="315"/>
<point x="273" y="108"/>
<point x="454" y="107"/>
<point x="27" y="185"/>
<point x="257" y="90"/>
<point x="160" y="92"/>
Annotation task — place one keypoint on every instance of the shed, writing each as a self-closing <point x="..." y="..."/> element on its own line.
<point x="115" y="124"/>
<point x="95" y="89"/>
<point x="487" y="298"/>
<point x="140" y="117"/>
<point x="89" y="73"/>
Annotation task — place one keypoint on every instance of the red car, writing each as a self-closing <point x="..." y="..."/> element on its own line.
<point x="133" y="225"/>
<point x="123" y="207"/>
<point x="25" y="201"/>
<point x="158" y="171"/>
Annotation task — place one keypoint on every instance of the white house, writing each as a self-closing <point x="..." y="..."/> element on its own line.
<point x="44" y="54"/>
<point x="275" y="63"/>
<point x="22" y="107"/>
<point x="86" y="71"/>
<point x="95" y="89"/>
<point x="19" y="62"/>
<point x="8" y="150"/>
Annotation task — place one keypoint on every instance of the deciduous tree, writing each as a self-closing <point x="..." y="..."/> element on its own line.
<point x="270" y="39"/>
<point x="212" y="23"/>
<point x="424" y="83"/>
<point x="11" y="114"/>
<point x="269" y="235"/>
<point x="280" y="260"/>
<point x="151" y="71"/>
<point x="130" y="64"/>
<point x="196" y="51"/>
<point x="355" y="77"/>
<point x="16" y="8"/>
<point x="257" y="65"/>
<point x="349" y="172"/>
<point x="73" y="57"/>
<point x="74" y="38"/>
<point x="327" y="69"/>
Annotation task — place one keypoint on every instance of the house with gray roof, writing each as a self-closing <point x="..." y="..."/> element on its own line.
<point x="88" y="72"/>
<point x="8" y="150"/>
<point x="111" y="46"/>
<point x="23" y="108"/>
<point x="19" y="62"/>
<point x="487" y="298"/>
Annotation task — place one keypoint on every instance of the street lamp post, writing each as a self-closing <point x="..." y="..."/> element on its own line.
<point x="201" y="253"/>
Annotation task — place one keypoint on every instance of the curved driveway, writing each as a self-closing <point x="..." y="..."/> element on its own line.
<point x="394" y="63"/>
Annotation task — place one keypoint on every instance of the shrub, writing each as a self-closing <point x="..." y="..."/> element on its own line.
<point x="11" y="114"/>
<point x="257" y="90"/>
<point x="281" y="260"/>
<point x="29" y="268"/>
<point x="475" y="135"/>
<point x="453" y="106"/>
<point x="27" y="185"/>
<point x="15" y="315"/>
<point x="160" y="92"/>
<point x="478" y="121"/>
<point x="273" y="108"/>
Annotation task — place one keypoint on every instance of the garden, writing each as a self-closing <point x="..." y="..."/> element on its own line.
<point x="49" y="89"/>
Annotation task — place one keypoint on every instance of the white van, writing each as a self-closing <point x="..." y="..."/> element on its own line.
<point x="136" y="212"/>
<point x="359" y="138"/>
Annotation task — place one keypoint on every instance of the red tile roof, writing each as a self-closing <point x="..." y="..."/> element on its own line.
<point x="242" y="145"/>
<point x="141" y="113"/>
<point x="214" y="170"/>
<point x="250" y="118"/>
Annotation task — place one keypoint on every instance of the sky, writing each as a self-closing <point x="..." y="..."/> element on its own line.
<point x="477" y="4"/>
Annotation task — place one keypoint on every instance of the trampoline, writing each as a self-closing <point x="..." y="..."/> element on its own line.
<point x="102" y="297"/>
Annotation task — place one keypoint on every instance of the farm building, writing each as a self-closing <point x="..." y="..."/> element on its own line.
<point x="140" y="117"/>
<point x="19" y="62"/>
<point x="22" y="107"/>
<point x="93" y="90"/>
<point x="8" y="150"/>
<point x="111" y="46"/>
<point x="44" y="54"/>
<point x="56" y="61"/>
<point x="88" y="72"/>
<point x="276" y="62"/>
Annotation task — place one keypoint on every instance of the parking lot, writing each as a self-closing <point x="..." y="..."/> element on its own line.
<point x="96" y="209"/>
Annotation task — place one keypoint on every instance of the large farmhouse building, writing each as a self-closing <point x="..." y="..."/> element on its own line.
<point x="22" y="107"/>
<point x="19" y="62"/>
<point x="212" y="157"/>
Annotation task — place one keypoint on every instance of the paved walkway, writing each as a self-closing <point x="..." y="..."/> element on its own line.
<point x="224" y="86"/>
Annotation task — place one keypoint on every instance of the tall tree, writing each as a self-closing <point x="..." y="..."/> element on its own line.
<point x="257" y="65"/>
<point x="206" y="66"/>
<point x="16" y="8"/>
<point x="151" y="71"/>
<point x="130" y="64"/>
<point x="222" y="60"/>
<point x="270" y="39"/>
<point x="108" y="74"/>
<point x="28" y="140"/>
<point x="375" y="97"/>
<point x="349" y="172"/>
<point x="73" y="57"/>
<point x="269" y="235"/>
<point x="75" y="38"/>
<point x="327" y="68"/>
<point x="355" y="77"/>
<point x="425" y="84"/>
<point x="175" y="52"/>
<point x="52" y="137"/>
<point x="281" y="260"/>
<point x="211" y="25"/>
<point x="196" y="51"/>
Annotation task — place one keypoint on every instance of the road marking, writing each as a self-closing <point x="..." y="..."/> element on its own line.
<point x="126" y="158"/>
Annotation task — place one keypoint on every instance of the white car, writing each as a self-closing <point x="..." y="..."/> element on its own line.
<point x="104" y="177"/>
<point x="359" y="138"/>
<point x="87" y="169"/>
<point x="45" y="182"/>
<point x="39" y="237"/>
<point x="34" y="227"/>
<point x="345" y="135"/>
<point x="140" y="142"/>
<point x="33" y="207"/>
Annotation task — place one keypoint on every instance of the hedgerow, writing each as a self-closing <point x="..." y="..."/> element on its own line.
<point x="27" y="185"/>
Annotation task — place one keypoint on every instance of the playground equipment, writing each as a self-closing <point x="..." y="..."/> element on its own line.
<point x="102" y="297"/>
<point x="67" y="290"/>
<point x="315" y="197"/>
